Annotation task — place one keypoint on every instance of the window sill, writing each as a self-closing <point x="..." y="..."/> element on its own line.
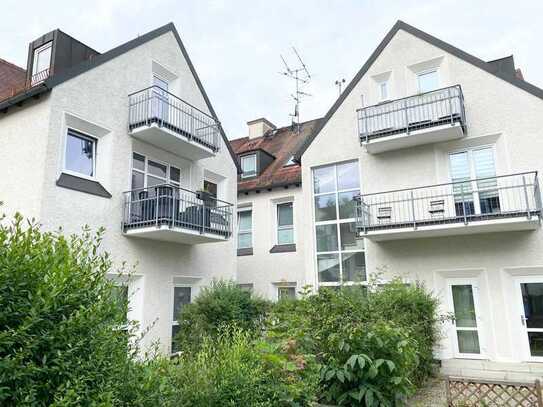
<point x="245" y="252"/>
<point x="283" y="248"/>
<point x="80" y="184"/>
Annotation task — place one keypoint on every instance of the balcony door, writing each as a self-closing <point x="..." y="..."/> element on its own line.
<point x="463" y="300"/>
<point x="160" y="99"/>
<point x="475" y="187"/>
<point x="531" y="317"/>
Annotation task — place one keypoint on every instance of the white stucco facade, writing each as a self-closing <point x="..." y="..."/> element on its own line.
<point x="96" y="103"/>
<point x="498" y="114"/>
<point x="265" y="269"/>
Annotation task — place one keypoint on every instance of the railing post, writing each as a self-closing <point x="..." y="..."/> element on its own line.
<point x="528" y="213"/>
<point x="537" y="195"/>
<point x="406" y="117"/>
<point x="413" y="210"/>
<point x="203" y="216"/>
<point x="463" y="203"/>
<point x="156" y="207"/>
<point x="172" y="220"/>
<point x="450" y="105"/>
<point x="191" y="123"/>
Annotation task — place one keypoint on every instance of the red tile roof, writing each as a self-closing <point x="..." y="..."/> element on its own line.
<point x="12" y="79"/>
<point x="281" y="143"/>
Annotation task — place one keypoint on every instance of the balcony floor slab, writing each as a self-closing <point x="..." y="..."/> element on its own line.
<point x="175" y="235"/>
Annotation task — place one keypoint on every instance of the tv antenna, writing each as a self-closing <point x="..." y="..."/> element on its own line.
<point x="301" y="76"/>
<point x="339" y="83"/>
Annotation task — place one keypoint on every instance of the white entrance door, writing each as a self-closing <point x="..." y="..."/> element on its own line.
<point x="463" y="298"/>
<point x="531" y="317"/>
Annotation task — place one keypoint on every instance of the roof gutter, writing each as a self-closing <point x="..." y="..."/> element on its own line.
<point x="19" y="98"/>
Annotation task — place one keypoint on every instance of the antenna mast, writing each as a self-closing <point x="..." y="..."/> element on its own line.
<point x="301" y="76"/>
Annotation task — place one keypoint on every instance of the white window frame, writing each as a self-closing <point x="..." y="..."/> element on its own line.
<point x="251" y="231"/>
<point x="276" y="221"/>
<point x="35" y="58"/>
<point x="426" y="72"/>
<point x="338" y="222"/>
<point x="285" y="286"/>
<point x="172" y="305"/>
<point x="146" y="173"/>
<point x="245" y="157"/>
<point x="87" y="136"/>
<point x="380" y="85"/>
<point x="472" y="173"/>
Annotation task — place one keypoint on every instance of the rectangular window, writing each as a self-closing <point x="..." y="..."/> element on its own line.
<point x="383" y="90"/>
<point x="41" y="63"/>
<point x="248" y="166"/>
<point x="210" y="187"/>
<point x="245" y="229"/>
<point x="285" y="223"/>
<point x="147" y="173"/>
<point x="340" y="254"/>
<point x="286" y="293"/>
<point x="428" y="81"/>
<point x="475" y="189"/>
<point x="80" y="154"/>
<point x="181" y="297"/>
<point x="120" y="294"/>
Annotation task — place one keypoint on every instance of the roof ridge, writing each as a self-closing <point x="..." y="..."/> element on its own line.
<point x="12" y="65"/>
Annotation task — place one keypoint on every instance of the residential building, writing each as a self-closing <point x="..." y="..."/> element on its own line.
<point x="127" y="140"/>
<point x="270" y="211"/>
<point x="445" y="150"/>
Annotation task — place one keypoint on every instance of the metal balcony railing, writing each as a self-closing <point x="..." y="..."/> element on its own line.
<point x="175" y="207"/>
<point x="155" y="105"/>
<point x="463" y="201"/>
<point x="412" y="113"/>
<point x="39" y="77"/>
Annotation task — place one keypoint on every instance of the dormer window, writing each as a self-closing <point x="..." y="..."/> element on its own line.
<point x="428" y="81"/>
<point x="248" y="166"/>
<point x="41" y="63"/>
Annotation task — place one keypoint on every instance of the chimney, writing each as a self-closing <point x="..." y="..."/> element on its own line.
<point x="259" y="127"/>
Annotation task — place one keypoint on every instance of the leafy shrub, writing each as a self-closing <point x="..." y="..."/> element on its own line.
<point x="375" y="344"/>
<point x="221" y="304"/>
<point x="234" y="369"/>
<point x="60" y="342"/>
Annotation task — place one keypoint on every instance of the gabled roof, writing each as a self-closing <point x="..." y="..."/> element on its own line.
<point x="12" y="77"/>
<point x="491" y="68"/>
<point x="98" y="60"/>
<point x="281" y="144"/>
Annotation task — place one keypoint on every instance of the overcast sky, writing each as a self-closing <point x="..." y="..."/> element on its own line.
<point x="236" y="45"/>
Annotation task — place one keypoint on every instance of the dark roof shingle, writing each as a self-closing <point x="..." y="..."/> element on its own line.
<point x="12" y="79"/>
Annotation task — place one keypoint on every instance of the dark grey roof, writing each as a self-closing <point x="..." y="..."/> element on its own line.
<point x="400" y="25"/>
<point x="115" y="52"/>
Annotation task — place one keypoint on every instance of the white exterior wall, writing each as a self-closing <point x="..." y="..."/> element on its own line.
<point x="100" y="96"/>
<point x="497" y="113"/>
<point x="265" y="270"/>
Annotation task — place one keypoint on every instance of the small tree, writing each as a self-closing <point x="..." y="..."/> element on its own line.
<point x="61" y="341"/>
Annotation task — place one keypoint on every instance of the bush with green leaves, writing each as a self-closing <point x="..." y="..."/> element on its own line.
<point x="374" y="344"/>
<point x="221" y="304"/>
<point x="60" y="342"/>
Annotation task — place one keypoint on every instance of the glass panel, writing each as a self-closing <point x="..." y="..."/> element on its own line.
<point x="137" y="179"/>
<point x="79" y="154"/>
<point x="248" y="165"/>
<point x="347" y="176"/>
<point x="327" y="238"/>
<point x="245" y="240"/>
<point x="245" y="219"/>
<point x="483" y="160"/>
<point x="348" y="237"/>
<point x="151" y="182"/>
<point x="286" y="292"/>
<point x="468" y="342"/>
<point x="175" y="174"/>
<point x="323" y="180"/>
<point x="459" y="163"/>
<point x="325" y="207"/>
<point x="328" y="267"/>
<point x="138" y="161"/>
<point x="532" y="297"/>
<point x="464" y="306"/>
<point x="284" y="214"/>
<point x="175" y="331"/>
<point x="160" y="82"/>
<point x="42" y="58"/>
<point x="347" y="205"/>
<point x="354" y="266"/>
<point x="428" y="81"/>
<point x="157" y="169"/>
<point x="536" y="343"/>
<point x="181" y="297"/>
<point x="120" y="295"/>
<point x="383" y="89"/>
<point x="285" y="236"/>
<point x="210" y="187"/>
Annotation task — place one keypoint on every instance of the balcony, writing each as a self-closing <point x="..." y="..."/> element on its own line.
<point x="430" y="117"/>
<point x="173" y="214"/>
<point x="483" y="205"/>
<point x="165" y="121"/>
